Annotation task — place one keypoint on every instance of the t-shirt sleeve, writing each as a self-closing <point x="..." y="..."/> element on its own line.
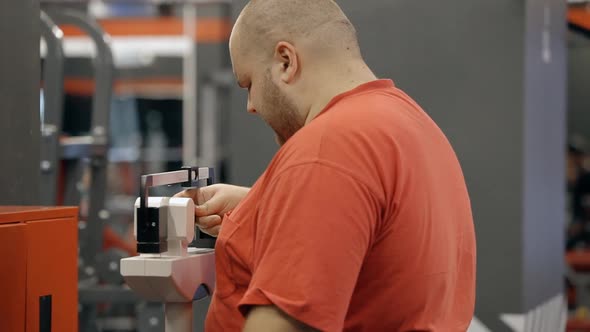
<point x="314" y="227"/>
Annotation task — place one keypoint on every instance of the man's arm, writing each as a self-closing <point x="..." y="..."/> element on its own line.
<point x="271" y="319"/>
<point x="314" y="226"/>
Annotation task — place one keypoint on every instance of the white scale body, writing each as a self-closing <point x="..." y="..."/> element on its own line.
<point x="174" y="276"/>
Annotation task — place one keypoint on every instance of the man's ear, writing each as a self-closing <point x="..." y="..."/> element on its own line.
<point x="287" y="61"/>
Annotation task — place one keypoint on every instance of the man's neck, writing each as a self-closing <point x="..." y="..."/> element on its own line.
<point x="338" y="81"/>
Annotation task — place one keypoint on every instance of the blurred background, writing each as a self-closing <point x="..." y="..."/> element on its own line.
<point x="95" y="93"/>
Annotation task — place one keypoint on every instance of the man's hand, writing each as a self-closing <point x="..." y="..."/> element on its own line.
<point x="271" y="319"/>
<point x="212" y="202"/>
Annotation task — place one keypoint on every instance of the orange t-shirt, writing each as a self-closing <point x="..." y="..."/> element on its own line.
<point x="361" y="222"/>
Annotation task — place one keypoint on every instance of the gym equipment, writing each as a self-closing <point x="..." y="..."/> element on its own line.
<point x="107" y="265"/>
<point x="150" y="317"/>
<point x="92" y="148"/>
<point x="51" y="117"/>
<point x="85" y="158"/>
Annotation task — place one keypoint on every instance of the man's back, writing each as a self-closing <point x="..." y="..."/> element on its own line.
<point x="362" y="222"/>
<point x="419" y="273"/>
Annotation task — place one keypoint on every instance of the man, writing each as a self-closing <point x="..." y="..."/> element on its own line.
<point x="362" y="220"/>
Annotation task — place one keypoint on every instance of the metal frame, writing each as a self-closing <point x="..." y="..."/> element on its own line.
<point x="147" y="232"/>
<point x="92" y="151"/>
<point x="189" y="88"/>
<point x="97" y="294"/>
<point x="154" y="2"/>
<point x="104" y="74"/>
<point x="212" y="150"/>
<point x="53" y="78"/>
<point x="94" y="148"/>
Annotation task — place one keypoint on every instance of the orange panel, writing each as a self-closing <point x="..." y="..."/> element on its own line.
<point x="52" y="270"/>
<point x="11" y="214"/>
<point x="13" y="276"/>
<point x="578" y="260"/>
<point x="85" y="87"/>
<point x="209" y="29"/>
<point x="579" y="16"/>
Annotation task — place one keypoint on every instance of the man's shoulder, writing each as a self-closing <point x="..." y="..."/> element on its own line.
<point x="377" y="112"/>
<point x="357" y="130"/>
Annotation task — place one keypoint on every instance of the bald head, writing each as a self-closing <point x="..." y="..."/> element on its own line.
<point x="319" y="24"/>
<point x="293" y="57"/>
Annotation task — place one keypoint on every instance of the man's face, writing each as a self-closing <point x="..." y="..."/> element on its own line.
<point x="275" y="108"/>
<point x="265" y="98"/>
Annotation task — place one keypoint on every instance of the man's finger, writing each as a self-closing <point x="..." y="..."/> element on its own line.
<point x="200" y="196"/>
<point x="188" y="193"/>
<point x="183" y="194"/>
<point x="210" y="207"/>
<point x="208" y="221"/>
